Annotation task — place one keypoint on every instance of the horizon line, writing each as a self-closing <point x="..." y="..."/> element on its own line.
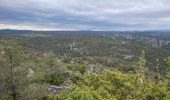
<point x="10" y="29"/>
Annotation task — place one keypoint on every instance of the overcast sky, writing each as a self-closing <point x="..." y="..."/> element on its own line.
<point x="85" y="14"/>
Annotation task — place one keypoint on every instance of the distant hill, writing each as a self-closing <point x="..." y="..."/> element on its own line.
<point x="11" y="31"/>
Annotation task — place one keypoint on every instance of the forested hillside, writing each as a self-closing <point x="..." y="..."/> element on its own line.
<point x="83" y="67"/>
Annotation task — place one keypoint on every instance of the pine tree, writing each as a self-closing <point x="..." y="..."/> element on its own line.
<point x="14" y="71"/>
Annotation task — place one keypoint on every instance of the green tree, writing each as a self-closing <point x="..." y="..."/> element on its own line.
<point x="52" y="69"/>
<point x="14" y="71"/>
<point x="167" y="61"/>
<point x="50" y="61"/>
<point x="142" y="60"/>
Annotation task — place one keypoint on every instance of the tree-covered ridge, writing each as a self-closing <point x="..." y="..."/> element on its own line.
<point x="31" y="74"/>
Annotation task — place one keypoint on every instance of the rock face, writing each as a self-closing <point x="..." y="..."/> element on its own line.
<point x="56" y="89"/>
<point x="30" y="72"/>
<point x="93" y="69"/>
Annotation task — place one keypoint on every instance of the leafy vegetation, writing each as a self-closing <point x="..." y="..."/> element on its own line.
<point x="115" y="85"/>
<point x="82" y="67"/>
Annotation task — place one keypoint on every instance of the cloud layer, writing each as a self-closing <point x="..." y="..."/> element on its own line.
<point x="85" y="14"/>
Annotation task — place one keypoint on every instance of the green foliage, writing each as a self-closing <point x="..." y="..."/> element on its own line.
<point x="167" y="61"/>
<point x="75" y="78"/>
<point x="139" y="66"/>
<point x="81" y="69"/>
<point x="142" y="61"/>
<point x="105" y="52"/>
<point x="34" y="91"/>
<point x="48" y="98"/>
<point x="77" y="67"/>
<point x="13" y="71"/>
<point x="69" y="66"/>
<point x="168" y="75"/>
<point x="50" y="60"/>
<point x="55" y="78"/>
<point x="115" y="85"/>
<point x="35" y="35"/>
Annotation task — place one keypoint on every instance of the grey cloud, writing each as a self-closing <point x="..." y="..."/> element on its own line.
<point x="88" y="14"/>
